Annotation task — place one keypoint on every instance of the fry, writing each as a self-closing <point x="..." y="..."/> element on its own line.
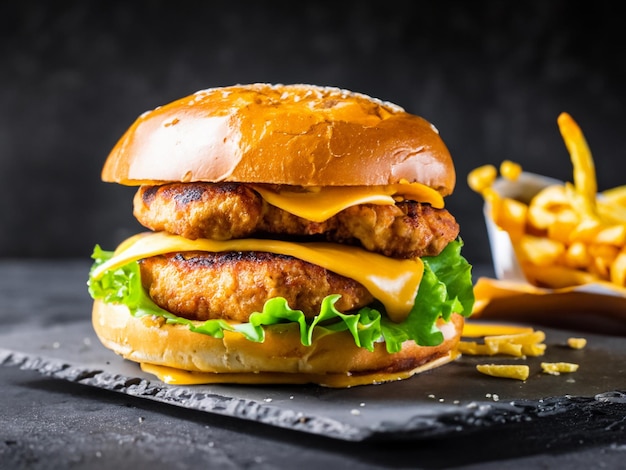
<point x="557" y="368"/>
<point x="519" y="338"/>
<point x="472" y="348"/>
<point x="582" y="161"/>
<point x="510" y="170"/>
<point x="611" y="212"/>
<point x="567" y="234"/>
<point x="507" y="349"/>
<point x="540" y="251"/>
<point x="576" y="343"/>
<point x="521" y="344"/>
<point x="550" y="205"/>
<point x="577" y="256"/>
<point x="614" y="235"/>
<point x="513" y="341"/>
<point x="615" y="195"/>
<point x="519" y="372"/>
<point x="533" y="349"/>
<point x="482" y="177"/>
<point x="561" y="230"/>
<point x="586" y="231"/>
<point x="603" y="257"/>
<point x="618" y="269"/>
<point x="511" y="216"/>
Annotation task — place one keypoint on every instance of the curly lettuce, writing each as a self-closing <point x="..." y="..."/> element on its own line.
<point x="446" y="287"/>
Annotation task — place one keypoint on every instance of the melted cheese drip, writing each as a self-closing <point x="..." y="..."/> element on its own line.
<point x="476" y="330"/>
<point x="174" y="376"/>
<point x="393" y="282"/>
<point x="319" y="204"/>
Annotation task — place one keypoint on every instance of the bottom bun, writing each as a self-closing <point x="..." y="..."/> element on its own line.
<point x="178" y="355"/>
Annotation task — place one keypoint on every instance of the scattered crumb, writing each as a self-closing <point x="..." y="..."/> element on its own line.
<point x="522" y="343"/>
<point x="576" y="343"/>
<point x="517" y="345"/>
<point x="556" y="368"/>
<point x="519" y="372"/>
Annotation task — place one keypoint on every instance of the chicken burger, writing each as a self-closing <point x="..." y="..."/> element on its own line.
<point x="294" y="234"/>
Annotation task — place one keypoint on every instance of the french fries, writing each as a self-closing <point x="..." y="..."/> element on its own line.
<point x="567" y="234"/>
<point x="520" y="343"/>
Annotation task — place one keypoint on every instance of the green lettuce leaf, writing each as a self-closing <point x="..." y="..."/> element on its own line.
<point x="446" y="287"/>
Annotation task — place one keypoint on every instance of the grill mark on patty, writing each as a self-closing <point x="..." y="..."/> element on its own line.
<point x="227" y="257"/>
<point x="194" y="193"/>
<point x="148" y="194"/>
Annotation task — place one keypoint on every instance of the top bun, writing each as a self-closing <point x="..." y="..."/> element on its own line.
<point x="299" y="135"/>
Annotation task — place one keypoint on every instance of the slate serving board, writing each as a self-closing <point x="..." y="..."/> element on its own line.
<point x="449" y="400"/>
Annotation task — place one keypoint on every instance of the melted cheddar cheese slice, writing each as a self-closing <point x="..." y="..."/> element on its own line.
<point x="320" y="203"/>
<point x="174" y="376"/>
<point x="393" y="282"/>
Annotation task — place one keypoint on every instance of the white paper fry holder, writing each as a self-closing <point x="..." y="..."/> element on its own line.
<point x="511" y="296"/>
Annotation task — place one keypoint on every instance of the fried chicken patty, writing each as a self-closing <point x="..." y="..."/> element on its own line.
<point x="232" y="285"/>
<point x="224" y="211"/>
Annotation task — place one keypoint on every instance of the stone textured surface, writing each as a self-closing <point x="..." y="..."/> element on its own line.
<point x="64" y="418"/>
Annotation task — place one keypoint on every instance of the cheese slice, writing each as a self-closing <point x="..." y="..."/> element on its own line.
<point x="320" y="203"/>
<point x="174" y="376"/>
<point x="476" y="330"/>
<point x="393" y="282"/>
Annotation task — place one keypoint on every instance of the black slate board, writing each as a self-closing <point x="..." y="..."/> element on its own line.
<point x="449" y="400"/>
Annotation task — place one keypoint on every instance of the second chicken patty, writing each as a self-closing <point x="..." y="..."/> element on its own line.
<point x="225" y="211"/>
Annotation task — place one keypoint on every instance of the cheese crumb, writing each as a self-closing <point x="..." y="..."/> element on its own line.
<point x="516" y="344"/>
<point x="576" y="343"/>
<point x="519" y="372"/>
<point x="556" y="368"/>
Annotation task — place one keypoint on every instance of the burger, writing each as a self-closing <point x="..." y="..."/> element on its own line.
<point x="294" y="234"/>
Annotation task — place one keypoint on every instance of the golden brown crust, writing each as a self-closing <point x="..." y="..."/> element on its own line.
<point x="151" y="340"/>
<point x="281" y="134"/>
<point x="205" y="210"/>
<point x="231" y="285"/>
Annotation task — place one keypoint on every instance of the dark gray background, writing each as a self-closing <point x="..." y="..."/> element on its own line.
<point x="492" y="75"/>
